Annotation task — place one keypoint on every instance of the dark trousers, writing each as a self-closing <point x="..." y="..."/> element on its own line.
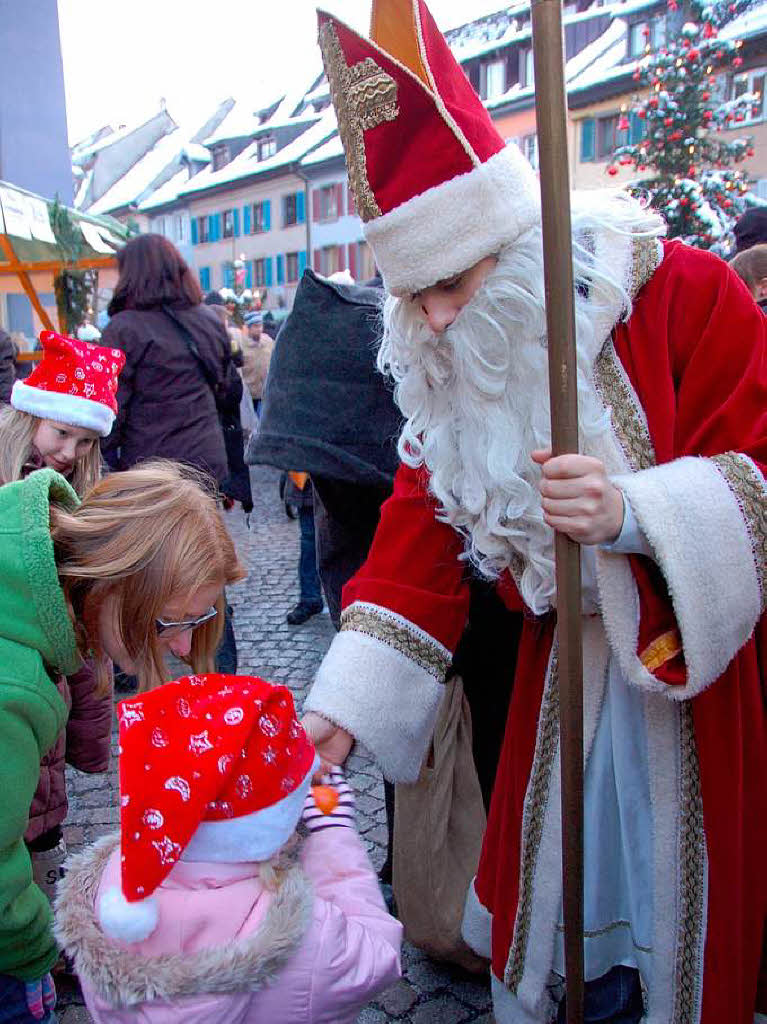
<point x="308" y="579"/>
<point x="615" y="998"/>
<point x="13" y="1003"/>
<point x="226" y="655"/>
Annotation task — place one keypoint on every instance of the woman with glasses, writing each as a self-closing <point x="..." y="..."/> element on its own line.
<point x="135" y="570"/>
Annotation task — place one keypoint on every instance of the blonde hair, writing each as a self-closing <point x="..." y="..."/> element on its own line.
<point x="145" y="538"/>
<point x="751" y="266"/>
<point x="17" y="445"/>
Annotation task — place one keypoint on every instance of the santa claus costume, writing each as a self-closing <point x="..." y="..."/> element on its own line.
<point x="207" y="907"/>
<point x="672" y="381"/>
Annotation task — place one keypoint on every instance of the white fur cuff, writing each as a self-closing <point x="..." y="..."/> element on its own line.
<point x="701" y="537"/>
<point x="386" y="701"/>
<point x="477" y="923"/>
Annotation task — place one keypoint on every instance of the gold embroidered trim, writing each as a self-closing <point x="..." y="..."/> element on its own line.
<point x="662" y="649"/>
<point x="532" y="827"/>
<point x="596" y="932"/>
<point x="692" y="877"/>
<point x="418" y="648"/>
<point x="645" y="260"/>
<point x="626" y="413"/>
<point x="749" y="489"/>
<point x="363" y="96"/>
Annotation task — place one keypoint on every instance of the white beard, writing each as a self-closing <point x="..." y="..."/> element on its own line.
<point x="476" y="400"/>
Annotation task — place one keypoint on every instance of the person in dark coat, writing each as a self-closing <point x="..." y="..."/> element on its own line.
<point x="179" y="390"/>
<point x="7" y="370"/>
<point x="177" y="355"/>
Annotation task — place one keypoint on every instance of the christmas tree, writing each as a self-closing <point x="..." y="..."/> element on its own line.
<point x="692" y="170"/>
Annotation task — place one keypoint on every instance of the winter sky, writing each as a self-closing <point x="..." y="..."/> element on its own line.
<point x="121" y="58"/>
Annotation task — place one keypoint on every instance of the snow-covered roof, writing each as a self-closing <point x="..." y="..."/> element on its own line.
<point x="332" y="148"/>
<point x="607" y="65"/>
<point x="247" y="163"/>
<point x="167" y="193"/>
<point x="197" y="152"/>
<point x="752" y="22"/>
<point x="133" y="185"/>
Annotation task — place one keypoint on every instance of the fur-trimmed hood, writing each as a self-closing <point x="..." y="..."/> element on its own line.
<point x="126" y="978"/>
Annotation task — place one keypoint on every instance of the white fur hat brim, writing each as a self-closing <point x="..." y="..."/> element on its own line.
<point x="62" y="408"/>
<point x="450" y="227"/>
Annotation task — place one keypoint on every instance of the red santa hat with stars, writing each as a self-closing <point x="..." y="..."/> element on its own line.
<point x="212" y="768"/>
<point x="435" y="185"/>
<point x="75" y="383"/>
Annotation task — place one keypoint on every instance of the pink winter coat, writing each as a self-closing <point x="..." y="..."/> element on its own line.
<point x="313" y="953"/>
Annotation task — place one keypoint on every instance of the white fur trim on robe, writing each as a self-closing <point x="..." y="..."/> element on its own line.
<point x="701" y="540"/>
<point x="387" y="701"/>
<point x="477" y="924"/>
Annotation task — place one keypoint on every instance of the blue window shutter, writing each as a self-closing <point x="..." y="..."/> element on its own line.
<point x="636" y="128"/>
<point x="236" y="214"/>
<point x="217" y="223"/>
<point x="267" y="214"/>
<point x="249" y="274"/>
<point x="246" y="220"/>
<point x="588" y="139"/>
<point x="211" y="228"/>
<point x="301" y="263"/>
<point x="300" y="207"/>
<point x="280" y="269"/>
<point x="205" y="278"/>
<point x="195" y="235"/>
<point x="268" y="271"/>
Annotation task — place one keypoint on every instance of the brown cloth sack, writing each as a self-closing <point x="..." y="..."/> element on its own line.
<point x="439" y="823"/>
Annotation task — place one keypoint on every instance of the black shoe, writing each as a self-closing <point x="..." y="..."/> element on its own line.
<point x="302" y="612"/>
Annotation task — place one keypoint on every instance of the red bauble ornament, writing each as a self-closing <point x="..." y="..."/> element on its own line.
<point x="705" y="96"/>
<point x="727" y="203"/>
<point x="750" y="151"/>
<point x="623" y="124"/>
<point x="673" y="5"/>
<point x="653" y="102"/>
<point x="637" y="75"/>
<point x="737" y="61"/>
<point x="612" y="170"/>
<point x="694" y="54"/>
<point x="684" y="201"/>
<point x="668" y="121"/>
<point x="642" y="114"/>
<point x="708" y="30"/>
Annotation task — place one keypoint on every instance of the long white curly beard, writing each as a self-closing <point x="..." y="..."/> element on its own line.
<point x="476" y="401"/>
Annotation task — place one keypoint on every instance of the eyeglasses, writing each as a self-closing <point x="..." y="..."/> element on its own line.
<point x="170" y="629"/>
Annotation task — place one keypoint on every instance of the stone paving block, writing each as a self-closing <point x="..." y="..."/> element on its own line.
<point x="429" y="976"/>
<point x="398" y="999"/>
<point x="444" y="1010"/>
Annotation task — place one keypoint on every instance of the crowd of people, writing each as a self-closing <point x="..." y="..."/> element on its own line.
<point x="428" y="498"/>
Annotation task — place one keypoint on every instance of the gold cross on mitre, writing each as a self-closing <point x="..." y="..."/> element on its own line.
<point x="364" y="96"/>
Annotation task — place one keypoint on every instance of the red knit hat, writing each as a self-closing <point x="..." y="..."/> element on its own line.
<point x="435" y="185"/>
<point x="212" y="768"/>
<point x="75" y="383"/>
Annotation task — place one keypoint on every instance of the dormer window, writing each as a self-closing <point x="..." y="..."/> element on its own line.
<point x="220" y="156"/>
<point x="492" y="79"/>
<point x="266" y="147"/>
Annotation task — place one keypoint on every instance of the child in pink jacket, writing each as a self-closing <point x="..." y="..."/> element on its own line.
<point x="208" y="908"/>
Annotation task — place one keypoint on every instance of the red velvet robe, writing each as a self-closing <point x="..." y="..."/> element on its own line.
<point x="690" y="379"/>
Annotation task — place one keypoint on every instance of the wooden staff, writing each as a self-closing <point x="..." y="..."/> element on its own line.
<point x="551" y="119"/>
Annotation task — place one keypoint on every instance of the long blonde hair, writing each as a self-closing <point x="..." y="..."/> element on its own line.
<point x="17" y="437"/>
<point x="145" y="538"/>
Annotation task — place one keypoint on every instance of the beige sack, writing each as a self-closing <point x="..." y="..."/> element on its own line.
<point x="439" y="823"/>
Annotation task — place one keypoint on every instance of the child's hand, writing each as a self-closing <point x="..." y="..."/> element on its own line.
<point x="342" y="815"/>
<point x="41" y="996"/>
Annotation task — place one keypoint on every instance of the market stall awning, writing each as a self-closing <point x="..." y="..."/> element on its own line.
<point x="28" y="244"/>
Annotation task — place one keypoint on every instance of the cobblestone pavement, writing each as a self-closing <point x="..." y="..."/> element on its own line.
<point x="428" y="992"/>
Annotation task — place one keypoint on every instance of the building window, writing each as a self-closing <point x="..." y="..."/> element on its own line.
<point x="647" y="35"/>
<point x="527" y="77"/>
<point x="362" y="265"/>
<point x="492" y="79"/>
<point x="600" y="136"/>
<point x="750" y="82"/>
<point x="607" y="128"/>
<point x="291" y="267"/>
<point x="259" y="217"/>
<point x="178" y="228"/>
<point x="203" y="234"/>
<point x="293" y="209"/>
<point x="530" y="149"/>
<point x="266" y="147"/>
<point x="228" y="224"/>
<point x="331" y="258"/>
<point x="220" y="156"/>
<point x="328" y="203"/>
<point x="259" y="272"/>
<point x="588" y="139"/>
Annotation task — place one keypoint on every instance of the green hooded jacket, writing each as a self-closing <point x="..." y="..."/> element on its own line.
<point x="36" y="641"/>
